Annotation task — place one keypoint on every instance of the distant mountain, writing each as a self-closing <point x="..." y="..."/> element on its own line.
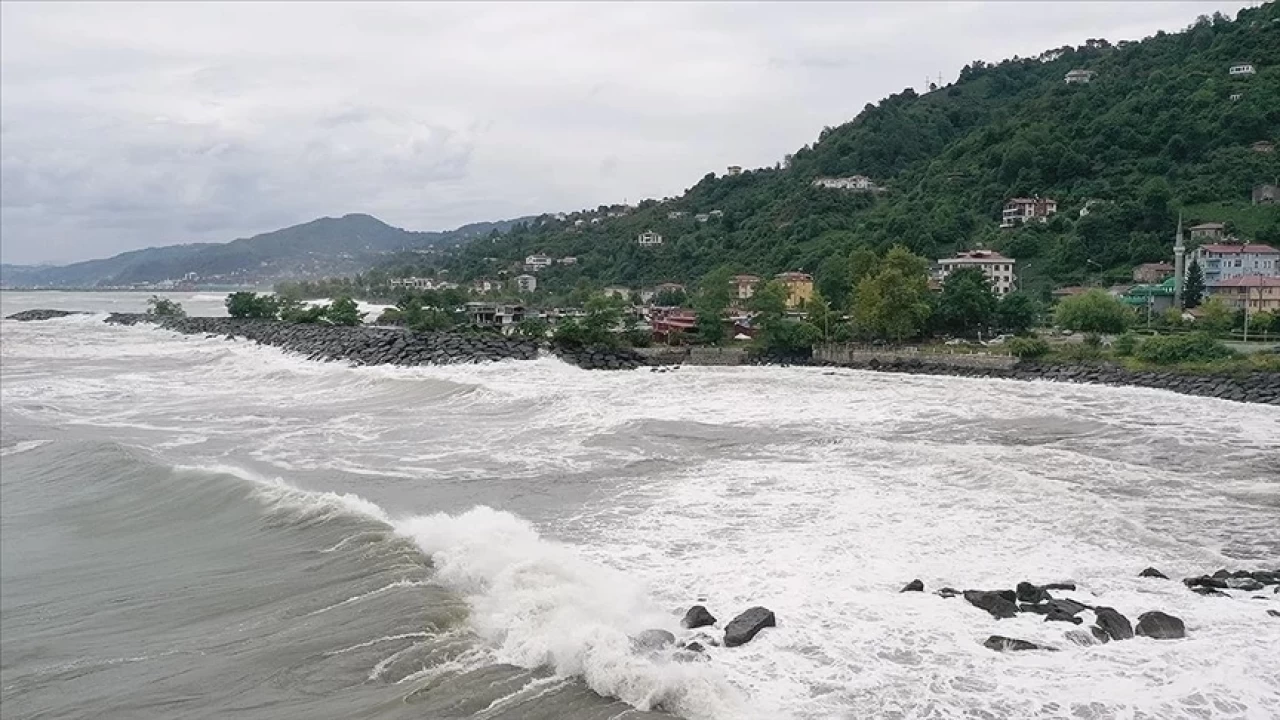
<point x="323" y="247"/>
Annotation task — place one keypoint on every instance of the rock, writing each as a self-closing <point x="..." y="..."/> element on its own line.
<point x="1274" y="613"/>
<point x="995" y="602"/>
<point x="1248" y="584"/>
<point x="1000" y="643"/>
<point x="43" y="314"/>
<point x="653" y="640"/>
<point x="743" y="628"/>
<point x="1099" y="634"/>
<point x="1055" y="614"/>
<point x="694" y="647"/>
<point x="914" y="586"/>
<point x="1153" y="573"/>
<point x="1061" y="586"/>
<point x="1266" y="577"/>
<point x="1113" y="623"/>
<point x="696" y="617"/>
<point x="1205" y="581"/>
<point x="1222" y="574"/>
<point x="1156" y="624"/>
<point x="1081" y="637"/>
<point x="948" y="592"/>
<point x="1029" y="593"/>
<point x="1209" y="592"/>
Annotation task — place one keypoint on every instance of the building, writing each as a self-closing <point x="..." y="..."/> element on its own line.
<point x="526" y="283"/>
<point x="1251" y="293"/>
<point x="534" y="263"/>
<point x="569" y="260"/>
<point x="649" y="237"/>
<point x="1208" y="232"/>
<point x="1153" y="298"/>
<point x="1079" y="76"/>
<point x="419" y="283"/>
<point x="1241" y="69"/>
<point x="667" y="287"/>
<point x="716" y="214"/>
<point x="675" y="214"/>
<point x="1266" y="194"/>
<point x="1263" y="146"/>
<point x="495" y="315"/>
<point x="597" y="220"/>
<point x="1236" y="97"/>
<point x="744" y="286"/>
<point x="1222" y="262"/>
<point x="617" y="291"/>
<point x="799" y="287"/>
<point x="1152" y="272"/>
<point x="734" y="170"/>
<point x="997" y="268"/>
<point x="860" y="183"/>
<point x="669" y="326"/>
<point x="579" y="223"/>
<point x="1022" y="210"/>
<point x="701" y="217"/>
<point x="484" y="286"/>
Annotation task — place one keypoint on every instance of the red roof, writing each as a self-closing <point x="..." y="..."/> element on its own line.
<point x="1230" y="249"/>
<point x="1249" y="281"/>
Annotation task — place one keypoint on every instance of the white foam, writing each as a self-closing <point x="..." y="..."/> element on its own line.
<point x="24" y="446"/>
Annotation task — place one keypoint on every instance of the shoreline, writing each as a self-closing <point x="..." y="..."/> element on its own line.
<point x="384" y="345"/>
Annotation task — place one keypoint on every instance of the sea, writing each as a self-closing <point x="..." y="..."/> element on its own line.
<point x="197" y="527"/>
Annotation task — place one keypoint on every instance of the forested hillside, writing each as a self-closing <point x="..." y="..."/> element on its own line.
<point x="1161" y="128"/>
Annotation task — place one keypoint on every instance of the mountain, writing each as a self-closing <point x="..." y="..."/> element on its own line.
<point x="1162" y="127"/>
<point x="327" y="246"/>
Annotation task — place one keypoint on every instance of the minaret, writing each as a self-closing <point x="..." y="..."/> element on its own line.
<point x="1179" y="266"/>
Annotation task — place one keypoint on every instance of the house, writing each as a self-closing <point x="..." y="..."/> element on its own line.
<point x="495" y="315"/>
<point x="1265" y="194"/>
<point x="1263" y="146"/>
<point x="1242" y="69"/>
<point x="560" y="216"/>
<point x="526" y="283"/>
<point x="418" y="283"/>
<point x="1152" y="272"/>
<point x="534" y="263"/>
<point x="1223" y="262"/>
<point x="596" y="220"/>
<point x="649" y="237"/>
<point x="1208" y="232"/>
<point x="1088" y="207"/>
<point x="668" y="325"/>
<point x="1236" y="97"/>
<point x="579" y="223"/>
<point x="734" y="170"/>
<point x="568" y="260"/>
<point x="1079" y="76"/>
<point x="1152" y="298"/>
<point x="859" y="183"/>
<point x="1023" y="210"/>
<point x="617" y="291"/>
<point x="716" y="214"/>
<point x="484" y="286"/>
<point x="701" y="217"/>
<point x="744" y="286"/>
<point x="799" y="287"/>
<point x="997" y="268"/>
<point x="1251" y="293"/>
<point x="675" y="214"/>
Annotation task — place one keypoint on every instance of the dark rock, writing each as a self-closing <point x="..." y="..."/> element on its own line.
<point x="696" y="617"/>
<point x="1156" y="624"/>
<point x="1061" y="586"/>
<point x="1099" y="634"/>
<point x="1274" y="613"/>
<point x="743" y="628"/>
<point x="1081" y="637"/>
<point x="1153" y="573"/>
<point x="653" y="640"/>
<point x="43" y="314"/>
<point x="1000" y="643"/>
<point x="1205" y="581"/>
<point x="1038" y="608"/>
<point x="1209" y="592"/>
<point x="1266" y="577"/>
<point x="1029" y="593"/>
<point x="1060" y="616"/>
<point x="995" y="602"/>
<point x="1222" y="574"/>
<point x="1248" y="584"/>
<point x="948" y="592"/>
<point x="914" y="586"/>
<point x="1113" y="623"/>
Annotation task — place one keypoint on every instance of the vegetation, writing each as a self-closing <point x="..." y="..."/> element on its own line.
<point x="1197" y="347"/>
<point x="252" y="305"/>
<point x="597" y="328"/>
<point x="158" y="307"/>
<point x="1193" y="287"/>
<point x="1094" y="311"/>
<point x="344" y="311"/>
<point x="1028" y="347"/>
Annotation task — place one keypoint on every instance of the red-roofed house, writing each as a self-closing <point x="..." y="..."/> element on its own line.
<point x="1024" y="210"/>
<point x="1221" y="262"/>
<point x="1252" y="292"/>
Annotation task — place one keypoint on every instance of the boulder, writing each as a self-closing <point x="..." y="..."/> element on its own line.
<point x="1099" y="634"/>
<point x="1161" y="626"/>
<point x="694" y="647"/>
<point x="1061" y="586"/>
<point x="696" y="617"/>
<point x="1029" y="593"/>
<point x="948" y="592"/>
<point x="1055" y="614"/>
<point x="1247" y="584"/>
<point x="43" y="314"/>
<point x="1000" y="643"/>
<point x="743" y="628"/>
<point x="1153" y="573"/>
<point x="995" y="602"/>
<point x="1209" y="592"/>
<point x="1081" y="637"/>
<point x="1113" y="623"/>
<point x="1205" y="581"/>
<point x="913" y="586"/>
<point x="653" y="640"/>
<point x="1274" y="613"/>
<point x="1266" y="577"/>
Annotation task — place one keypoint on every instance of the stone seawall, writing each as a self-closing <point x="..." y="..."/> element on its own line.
<point x="856" y="355"/>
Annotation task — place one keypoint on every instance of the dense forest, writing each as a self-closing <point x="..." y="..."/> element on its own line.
<point x="1162" y="128"/>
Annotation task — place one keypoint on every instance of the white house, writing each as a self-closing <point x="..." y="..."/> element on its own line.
<point x="1079" y="76"/>
<point x="526" y="283"/>
<point x="568" y="260"/>
<point x="534" y="263"/>
<point x="997" y="268"/>
<point x="1222" y="262"/>
<point x="716" y="213"/>
<point x="579" y="222"/>
<point x="734" y="170"/>
<point x="852" y="182"/>
<point x="1241" y="69"/>
<point x="484" y="286"/>
<point x="1022" y="210"/>
<point x="701" y="217"/>
<point x="675" y="214"/>
<point x="649" y="237"/>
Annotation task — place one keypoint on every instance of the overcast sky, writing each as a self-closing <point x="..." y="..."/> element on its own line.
<point x="126" y="126"/>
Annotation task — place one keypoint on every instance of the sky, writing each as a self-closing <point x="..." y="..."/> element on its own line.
<point x="125" y="126"/>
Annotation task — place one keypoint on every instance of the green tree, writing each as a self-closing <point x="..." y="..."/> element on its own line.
<point x="1094" y="311"/>
<point x="714" y="295"/>
<point x="1017" y="313"/>
<point x="533" y="328"/>
<point x="967" y="303"/>
<point x="1193" y="287"/>
<point x="252" y="305"/>
<point x="863" y="263"/>
<point x="894" y="303"/>
<point x="769" y="308"/>
<point x="1217" y="317"/>
<point x="819" y="314"/>
<point x="1263" y="322"/>
<point x="344" y="311"/>
<point x="158" y="307"/>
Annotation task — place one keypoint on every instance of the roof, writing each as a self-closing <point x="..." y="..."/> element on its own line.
<point x="1156" y="266"/>
<point x="1249" y="281"/>
<point x="794" y="276"/>
<point x="1072" y="290"/>
<point x="978" y="256"/>
<point x="1255" y="249"/>
<point x="1208" y="226"/>
<point x="745" y="278"/>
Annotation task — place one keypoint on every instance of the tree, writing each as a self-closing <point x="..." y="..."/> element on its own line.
<point x="670" y="298"/>
<point x="893" y="303"/>
<point x="769" y="307"/>
<point x="1016" y="313"/>
<point x="819" y="314"/>
<point x="533" y="328"/>
<point x="1263" y="322"/>
<point x="715" y="291"/>
<point x="1094" y="311"/>
<point x="967" y="303"/>
<point x="252" y="305"/>
<point x="863" y="263"/>
<point x="1193" y="287"/>
<point x="1217" y="317"/>
<point x="344" y="311"/>
<point x="158" y="307"/>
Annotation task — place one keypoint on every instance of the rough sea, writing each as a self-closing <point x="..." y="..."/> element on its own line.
<point x="204" y="528"/>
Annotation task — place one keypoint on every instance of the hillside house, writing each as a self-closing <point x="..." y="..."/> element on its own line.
<point x="649" y="237"/>
<point x="1266" y="194"/>
<point x="1208" y="232"/>
<point x="1263" y="146"/>
<point x="1236" y="97"/>
<point x="579" y="223"/>
<point x="1220" y="262"/>
<point x="744" y="286"/>
<point x="568" y="260"/>
<point x="717" y="214"/>
<point x="1152" y="272"/>
<point x="495" y="315"/>
<point x="734" y="170"/>
<point x="1079" y="76"/>
<point x="1251" y="293"/>
<point x="534" y="263"/>
<point x="1023" y="210"/>
<point x="675" y="214"/>
<point x="799" y="287"/>
<point x="484" y="286"/>
<point x="997" y="268"/>
<point x="857" y="183"/>
<point x="701" y="217"/>
<point x="526" y="283"/>
<point x="1242" y="69"/>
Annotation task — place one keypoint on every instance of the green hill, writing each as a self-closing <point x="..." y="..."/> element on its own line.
<point x="1162" y="127"/>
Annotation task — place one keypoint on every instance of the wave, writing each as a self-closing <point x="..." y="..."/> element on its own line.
<point x="21" y="447"/>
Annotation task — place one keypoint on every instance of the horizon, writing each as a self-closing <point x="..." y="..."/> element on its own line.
<point x="118" y="140"/>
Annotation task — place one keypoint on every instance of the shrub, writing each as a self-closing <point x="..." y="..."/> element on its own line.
<point x="1194" y="347"/>
<point x="1094" y="311"/>
<point x="252" y="305"/>
<point x="1028" y="347"/>
<point x="1125" y="344"/>
<point x="1093" y="340"/>
<point x="532" y="328"/>
<point x="344" y="311"/>
<point x="158" y="307"/>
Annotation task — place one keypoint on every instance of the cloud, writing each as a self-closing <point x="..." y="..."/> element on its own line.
<point x="128" y="125"/>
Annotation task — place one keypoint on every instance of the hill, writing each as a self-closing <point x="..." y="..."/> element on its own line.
<point x="1161" y="127"/>
<point x="323" y="247"/>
